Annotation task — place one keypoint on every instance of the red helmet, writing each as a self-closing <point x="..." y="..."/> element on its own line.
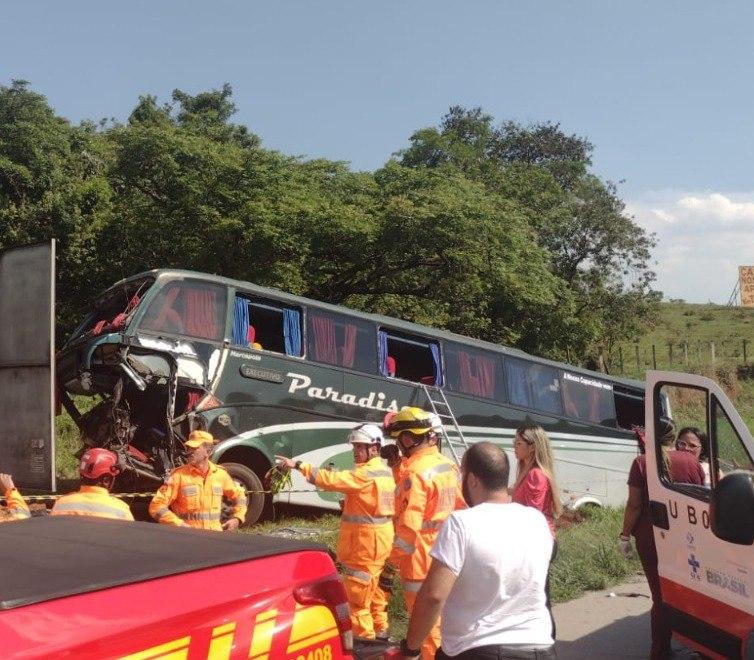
<point x="96" y="462"/>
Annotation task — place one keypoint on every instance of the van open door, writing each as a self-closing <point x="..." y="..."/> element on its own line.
<point x="27" y="353"/>
<point x="704" y="534"/>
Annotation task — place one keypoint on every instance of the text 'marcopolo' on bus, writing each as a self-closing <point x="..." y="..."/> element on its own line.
<point x="270" y="373"/>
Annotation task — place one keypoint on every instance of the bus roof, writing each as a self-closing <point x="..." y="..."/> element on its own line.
<point x="387" y="321"/>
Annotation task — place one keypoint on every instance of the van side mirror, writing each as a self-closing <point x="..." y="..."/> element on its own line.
<point x="732" y="508"/>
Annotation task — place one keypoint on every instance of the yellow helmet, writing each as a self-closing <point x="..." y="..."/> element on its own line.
<point x="414" y="420"/>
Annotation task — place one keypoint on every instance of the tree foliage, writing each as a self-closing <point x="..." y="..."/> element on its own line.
<point x="495" y="231"/>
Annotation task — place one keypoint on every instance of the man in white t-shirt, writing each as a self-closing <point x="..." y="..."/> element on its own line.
<point x="488" y="572"/>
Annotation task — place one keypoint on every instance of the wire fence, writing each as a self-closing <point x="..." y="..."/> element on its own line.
<point x="635" y="359"/>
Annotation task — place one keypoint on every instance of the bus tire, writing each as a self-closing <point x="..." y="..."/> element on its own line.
<point x="250" y="482"/>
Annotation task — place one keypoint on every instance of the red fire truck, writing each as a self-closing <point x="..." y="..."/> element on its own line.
<point x="89" y="588"/>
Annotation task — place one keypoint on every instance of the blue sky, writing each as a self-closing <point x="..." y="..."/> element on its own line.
<point x="661" y="89"/>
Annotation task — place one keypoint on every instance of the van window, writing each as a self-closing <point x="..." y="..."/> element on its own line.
<point x="533" y="385"/>
<point x="474" y="372"/>
<point x="731" y="454"/>
<point x="588" y="399"/>
<point x="689" y="408"/>
<point x="267" y="325"/>
<point x="341" y="341"/>
<point x="187" y="307"/>
<point x="409" y="357"/>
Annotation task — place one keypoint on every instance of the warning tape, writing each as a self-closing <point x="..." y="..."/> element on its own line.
<point x="32" y="499"/>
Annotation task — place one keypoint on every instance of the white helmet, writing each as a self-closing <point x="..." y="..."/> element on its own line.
<point x="366" y="434"/>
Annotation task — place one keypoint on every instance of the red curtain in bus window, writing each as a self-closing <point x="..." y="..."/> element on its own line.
<point x="168" y="320"/>
<point x="325" y="347"/>
<point x="477" y="374"/>
<point x="201" y="314"/>
<point x="594" y="405"/>
<point x="349" y="345"/>
<point x="485" y="369"/>
<point x="467" y="381"/>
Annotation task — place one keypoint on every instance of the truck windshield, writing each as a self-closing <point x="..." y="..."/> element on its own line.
<point x="188" y="307"/>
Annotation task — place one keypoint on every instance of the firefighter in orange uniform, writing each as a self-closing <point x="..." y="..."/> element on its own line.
<point x="97" y="469"/>
<point x="428" y="492"/>
<point x="15" y="507"/>
<point x="366" y="529"/>
<point x="193" y="494"/>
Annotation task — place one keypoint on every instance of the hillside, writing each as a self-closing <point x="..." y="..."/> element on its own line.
<point x="683" y="338"/>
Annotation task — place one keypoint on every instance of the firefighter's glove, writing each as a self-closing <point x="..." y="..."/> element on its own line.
<point x="386" y="580"/>
<point x="624" y="546"/>
<point x="391" y="454"/>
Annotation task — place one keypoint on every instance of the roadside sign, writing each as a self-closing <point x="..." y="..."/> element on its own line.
<point x="27" y="371"/>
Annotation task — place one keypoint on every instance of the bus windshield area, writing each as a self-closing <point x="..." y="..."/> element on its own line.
<point x="113" y="310"/>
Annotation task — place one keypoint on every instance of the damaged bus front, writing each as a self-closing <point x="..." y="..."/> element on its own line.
<point x="150" y="349"/>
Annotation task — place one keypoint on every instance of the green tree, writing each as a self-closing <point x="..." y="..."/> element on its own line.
<point x="599" y="253"/>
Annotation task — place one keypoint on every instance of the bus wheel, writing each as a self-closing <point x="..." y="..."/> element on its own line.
<point x="249" y="481"/>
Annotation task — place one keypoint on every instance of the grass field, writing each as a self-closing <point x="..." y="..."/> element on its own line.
<point x="682" y="339"/>
<point x="587" y="554"/>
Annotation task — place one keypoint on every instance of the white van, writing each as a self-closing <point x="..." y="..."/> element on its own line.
<point x="704" y="534"/>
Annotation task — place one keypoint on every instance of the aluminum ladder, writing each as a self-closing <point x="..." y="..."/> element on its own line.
<point x="440" y="407"/>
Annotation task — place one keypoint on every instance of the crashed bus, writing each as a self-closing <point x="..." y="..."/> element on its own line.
<point x="271" y="373"/>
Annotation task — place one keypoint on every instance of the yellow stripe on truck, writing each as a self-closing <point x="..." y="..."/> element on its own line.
<point x="175" y="650"/>
<point x="308" y="625"/>
<point x="261" y="637"/>
<point x="222" y="641"/>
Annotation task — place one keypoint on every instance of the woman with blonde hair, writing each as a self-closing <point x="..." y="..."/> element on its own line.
<point x="535" y="482"/>
<point x="536" y="486"/>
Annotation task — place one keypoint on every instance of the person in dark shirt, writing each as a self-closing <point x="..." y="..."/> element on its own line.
<point x="680" y="467"/>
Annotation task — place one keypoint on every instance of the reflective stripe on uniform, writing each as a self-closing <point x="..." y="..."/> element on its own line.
<point x="242" y="501"/>
<point x="217" y="490"/>
<point x="438" y="469"/>
<point x="404" y="545"/>
<point x="431" y="524"/>
<point x="361" y="575"/>
<point x="366" y="520"/>
<point x="189" y="490"/>
<point x="199" y="516"/>
<point x="162" y="511"/>
<point x="379" y="473"/>
<point x="19" y="514"/>
<point x="412" y="585"/>
<point x="90" y="507"/>
<point x="313" y="475"/>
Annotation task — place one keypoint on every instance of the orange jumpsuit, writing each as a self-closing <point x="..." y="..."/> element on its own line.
<point x="16" y="508"/>
<point x="366" y="535"/>
<point x="428" y="492"/>
<point x="192" y="498"/>
<point x="93" y="501"/>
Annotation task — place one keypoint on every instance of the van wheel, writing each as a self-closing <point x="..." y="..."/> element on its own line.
<point x="249" y="481"/>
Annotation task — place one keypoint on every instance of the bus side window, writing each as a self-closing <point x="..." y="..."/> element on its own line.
<point x="267" y="325"/>
<point x="342" y="341"/>
<point x="189" y="308"/>
<point x="629" y="409"/>
<point x="414" y="358"/>
<point x="588" y="399"/>
<point x="474" y="372"/>
<point x="533" y="385"/>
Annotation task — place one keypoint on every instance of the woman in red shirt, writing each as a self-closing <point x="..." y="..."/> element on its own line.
<point x="535" y="484"/>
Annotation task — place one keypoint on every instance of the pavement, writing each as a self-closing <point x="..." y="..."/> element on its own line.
<point x="608" y="624"/>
